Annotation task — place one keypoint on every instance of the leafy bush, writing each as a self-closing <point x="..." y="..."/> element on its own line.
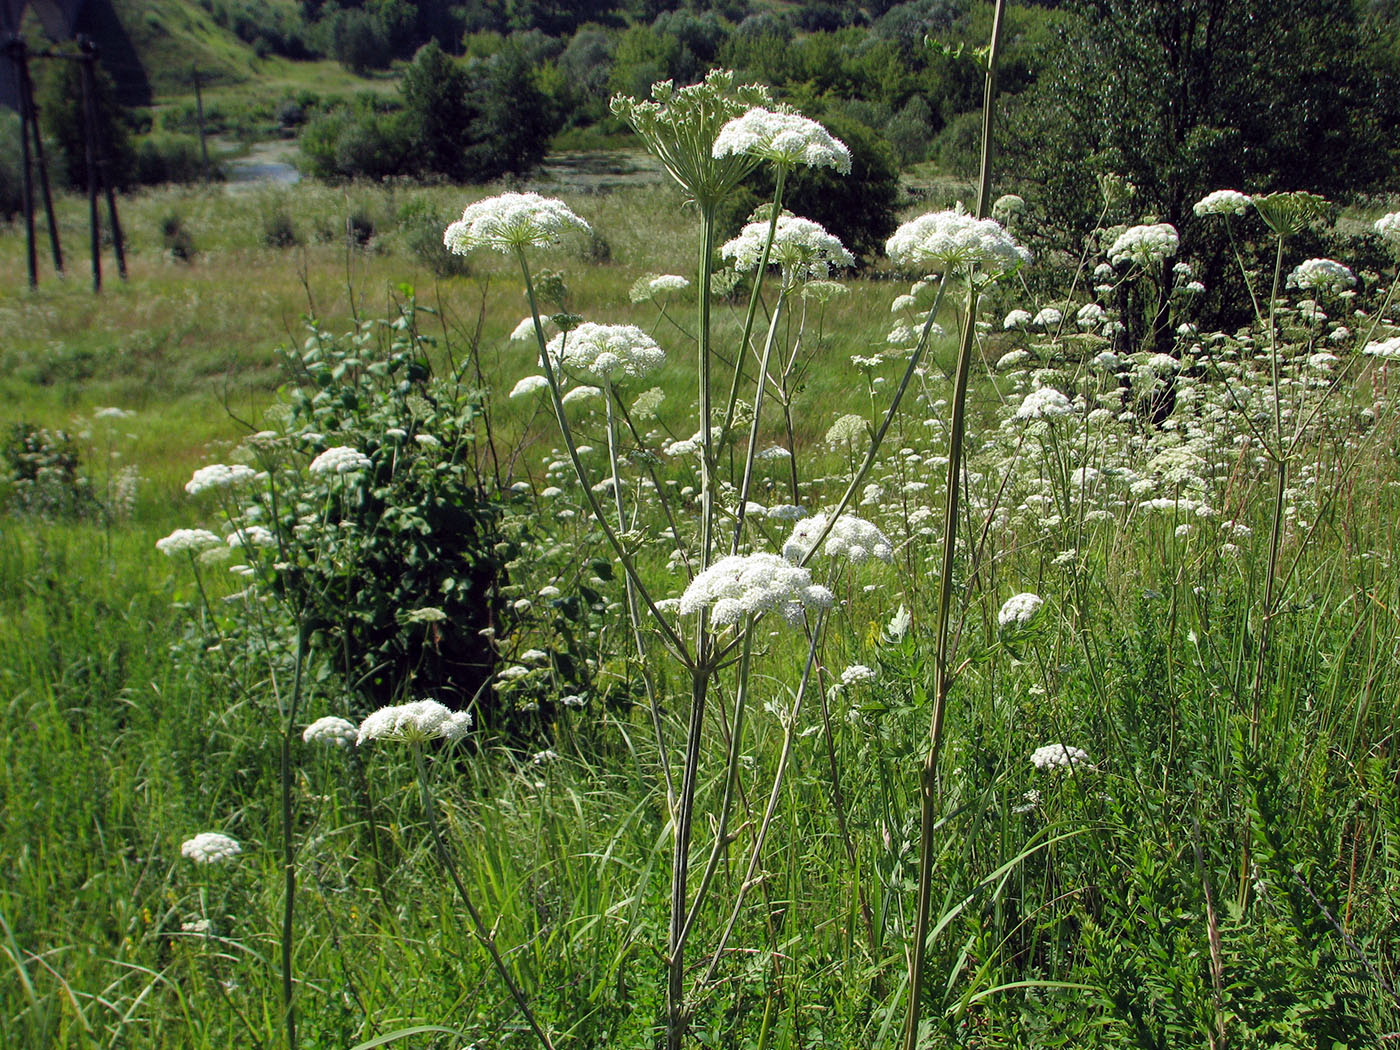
<point x="41" y="473"/>
<point x="168" y="158"/>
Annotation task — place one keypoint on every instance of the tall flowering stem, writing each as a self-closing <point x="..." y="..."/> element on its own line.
<point x="942" y="673"/>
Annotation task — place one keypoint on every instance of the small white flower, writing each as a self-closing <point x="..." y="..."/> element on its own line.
<point x="1145" y="245"/>
<point x="787" y="139"/>
<point x="852" y="538"/>
<point x="252" y="536"/>
<point x="1321" y="274"/>
<point x="606" y="352"/>
<point x="340" y="459"/>
<point x="210" y="847"/>
<point x="1222" y="202"/>
<point x="217" y="476"/>
<point x="528" y="385"/>
<point x="510" y="222"/>
<point x="751" y="584"/>
<point x="1019" y="611"/>
<point x="1017" y="319"/>
<point x="188" y="541"/>
<point x="856" y="674"/>
<point x="801" y="247"/>
<point x="1047" y="318"/>
<point x="330" y="731"/>
<point x="415" y="722"/>
<point x="1388" y="226"/>
<point x="1388" y="349"/>
<point x="1055" y="756"/>
<point x="1044" y="403"/>
<point x="954" y="241"/>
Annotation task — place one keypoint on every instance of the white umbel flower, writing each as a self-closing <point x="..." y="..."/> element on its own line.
<point x="1145" y="245"/>
<point x="1044" y="403"/>
<point x="340" y="459"/>
<point x="330" y="732"/>
<point x="607" y="352"/>
<point x="850" y="537"/>
<point x="1326" y="275"/>
<point x="954" y="241"/>
<point x="528" y="386"/>
<point x="802" y="248"/>
<point x="751" y="584"/>
<point x="510" y="222"/>
<point x="857" y="674"/>
<point x="1223" y="202"/>
<point x="1019" y="611"/>
<point x="787" y="139"/>
<point x="217" y="476"/>
<point x="210" y="847"/>
<point x="1388" y="227"/>
<point x="252" y="536"/>
<point x="1017" y="319"/>
<point x="415" y="723"/>
<point x="1388" y="350"/>
<point x="1060" y="756"/>
<point x="187" y="541"/>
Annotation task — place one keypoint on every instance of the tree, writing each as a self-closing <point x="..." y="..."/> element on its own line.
<point x="440" y="118"/>
<point x="1187" y="96"/>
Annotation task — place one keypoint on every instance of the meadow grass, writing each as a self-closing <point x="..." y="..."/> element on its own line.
<point x="1186" y="888"/>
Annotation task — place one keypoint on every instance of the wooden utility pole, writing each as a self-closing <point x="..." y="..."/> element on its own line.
<point x="15" y="50"/>
<point x="95" y="155"/>
<point x="26" y="86"/>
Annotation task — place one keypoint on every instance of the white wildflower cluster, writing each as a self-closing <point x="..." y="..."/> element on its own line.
<point x="857" y="674"/>
<point x="850" y="429"/>
<point x="751" y="584"/>
<point x="850" y="537"/>
<point x="1012" y="359"/>
<point x="330" y="732"/>
<point x="1019" y="611"/>
<point x="1044" y="403"/>
<point x="1090" y="315"/>
<point x="187" y="541"/>
<point x="1017" y="319"/>
<point x="1060" y="756"/>
<point x="955" y="242"/>
<point x="802" y="248"/>
<point x="339" y="459"/>
<point x="1386" y="349"/>
<point x="510" y="222"/>
<point x="1388" y="227"/>
<point x="252" y="536"/>
<point x="1324" y="275"/>
<point x="1145" y="245"/>
<point x="529" y="385"/>
<point x="210" y="847"/>
<point x="218" y="476"/>
<point x="1222" y="202"/>
<point x="415" y="722"/>
<point x="1047" y="318"/>
<point x="786" y="139"/>
<point x="607" y="352"/>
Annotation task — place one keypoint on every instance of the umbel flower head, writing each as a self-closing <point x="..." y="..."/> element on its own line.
<point x="955" y="242"/>
<point x="1060" y="756"/>
<point x="1145" y="245"/>
<point x="1325" y="275"/>
<point x="210" y="847"/>
<point x="330" y="732"/>
<point x="415" y="723"/>
<point x="1388" y="227"/>
<point x="341" y="459"/>
<point x="1291" y="212"/>
<point x="187" y="541"/>
<point x="851" y="537"/>
<point x="680" y="126"/>
<point x="1222" y="202"/>
<point x="751" y="584"/>
<point x="801" y="247"/>
<point x="1019" y="611"/>
<point x="606" y="352"/>
<point x="510" y="222"/>
<point x="783" y="137"/>
<point x="217" y="476"/>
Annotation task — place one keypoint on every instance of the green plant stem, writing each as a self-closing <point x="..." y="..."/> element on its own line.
<point x="928" y="780"/>
<point x="721" y="842"/>
<point x="479" y="928"/>
<point x="633" y="614"/>
<point x="879" y="438"/>
<point x="757" y="413"/>
<point x="756" y="854"/>
<point x="707" y="443"/>
<point x="629" y="567"/>
<point x="289" y="869"/>
<point x="676" y="1018"/>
